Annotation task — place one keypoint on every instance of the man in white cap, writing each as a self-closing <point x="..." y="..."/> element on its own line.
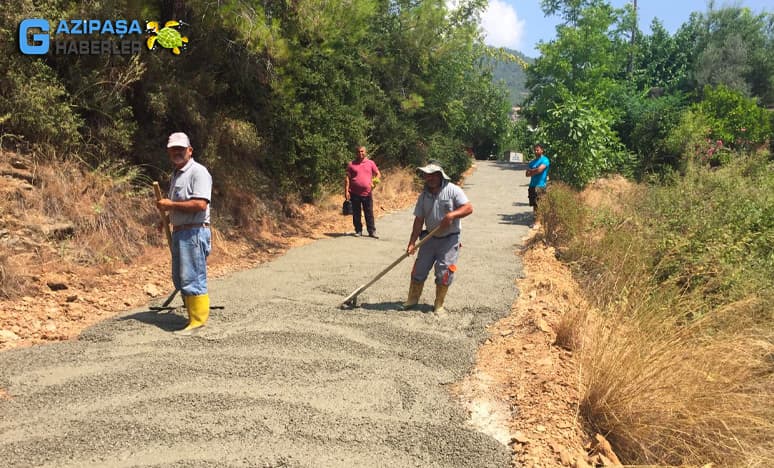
<point x="188" y="204"/>
<point x="443" y="204"/>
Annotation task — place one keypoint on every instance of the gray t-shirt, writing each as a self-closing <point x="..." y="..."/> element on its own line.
<point x="192" y="181"/>
<point x="434" y="207"/>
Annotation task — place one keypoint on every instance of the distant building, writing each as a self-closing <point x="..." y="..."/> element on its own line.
<point x="515" y="113"/>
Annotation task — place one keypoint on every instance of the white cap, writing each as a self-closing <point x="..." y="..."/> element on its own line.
<point x="178" y="139"/>
<point x="432" y="168"/>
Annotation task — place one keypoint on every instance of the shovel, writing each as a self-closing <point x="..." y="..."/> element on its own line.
<point x="165" y="223"/>
<point x="351" y="300"/>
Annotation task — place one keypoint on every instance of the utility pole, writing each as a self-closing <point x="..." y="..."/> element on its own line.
<point x="633" y="38"/>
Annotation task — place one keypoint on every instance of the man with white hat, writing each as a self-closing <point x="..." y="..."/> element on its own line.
<point x="443" y="204"/>
<point x="188" y="204"/>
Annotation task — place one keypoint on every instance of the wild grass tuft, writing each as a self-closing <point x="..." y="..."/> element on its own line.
<point x="571" y="328"/>
<point x="111" y="208"/>
<point x="561" y="214"/>
<point x="12" y="283"/>
<point x="676" y="360"/>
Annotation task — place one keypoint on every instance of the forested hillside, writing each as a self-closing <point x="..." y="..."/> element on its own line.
<point x="513" y="75"/>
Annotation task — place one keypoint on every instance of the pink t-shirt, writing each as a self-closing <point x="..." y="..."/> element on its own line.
<point x="360" y="176"/>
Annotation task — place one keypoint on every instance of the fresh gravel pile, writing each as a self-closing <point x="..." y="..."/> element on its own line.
<point x="282" y="376"/>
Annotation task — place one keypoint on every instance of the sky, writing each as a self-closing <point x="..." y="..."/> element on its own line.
<point x="520" y="24"/>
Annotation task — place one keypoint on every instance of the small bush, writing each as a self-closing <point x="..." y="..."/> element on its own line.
<point x="737" y="120"/>
<point x="37" y="105"/>
<point x="449" y="152"/>
<point x="582" y="143"/>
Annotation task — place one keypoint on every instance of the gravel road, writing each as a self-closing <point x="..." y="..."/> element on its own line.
<point x="281" y="376"/>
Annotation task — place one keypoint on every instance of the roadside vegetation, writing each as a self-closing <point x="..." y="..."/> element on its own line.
<point x="675" y="360"/>
<point x="274" y="95"/>
<point x="675" y="357"/>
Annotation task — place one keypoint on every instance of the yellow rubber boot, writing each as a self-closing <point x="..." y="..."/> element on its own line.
<point x="415" y="290"/>
<point x="440" y="296"/>
<point x="198" y="311"/>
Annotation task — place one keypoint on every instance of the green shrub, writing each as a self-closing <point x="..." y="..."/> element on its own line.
<point x="449" y="152"/>
<point x="645" y="130"/>
<point x="716" y="229"/>
<point x="737" y="121"/>
<point x="690" y="139"/>
<point x="581" y="142"/>
<point x="38" y="107"/>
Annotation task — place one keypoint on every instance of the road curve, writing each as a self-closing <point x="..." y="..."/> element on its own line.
<point x="281" y="376"/>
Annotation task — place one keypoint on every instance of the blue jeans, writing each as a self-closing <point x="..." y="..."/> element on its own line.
<point x="190" y="249"/>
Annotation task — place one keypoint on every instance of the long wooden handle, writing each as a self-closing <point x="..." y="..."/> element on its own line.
<point x="400" y="259"/>
<point x="163" y="214"/>
<point x="392" y="265"/>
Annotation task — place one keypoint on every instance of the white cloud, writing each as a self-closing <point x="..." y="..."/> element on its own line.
<point x="502" y="27"/>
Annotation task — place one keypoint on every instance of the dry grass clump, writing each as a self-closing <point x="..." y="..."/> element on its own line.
<point x="12" y="284"/>
<point x="111" y="208"/>
<point x="676" y="367"/>
<point x="397" y="185"/>
<point x="561" y="214"/>
<point x="571" y="328"/>
<point x="670" y="393"/>
<point x="243" y="214"/>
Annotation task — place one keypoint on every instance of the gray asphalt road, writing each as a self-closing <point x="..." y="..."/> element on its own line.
<point x="281" y="376"/>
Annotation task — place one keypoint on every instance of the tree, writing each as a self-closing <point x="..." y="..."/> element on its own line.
<point x="581" y="141"/>
<point x="587" y="58"/>
<point x="731" y="47"/>
<point x="661" y="62"/>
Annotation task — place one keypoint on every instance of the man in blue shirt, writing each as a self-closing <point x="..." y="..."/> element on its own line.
<point x="538" y="173"/>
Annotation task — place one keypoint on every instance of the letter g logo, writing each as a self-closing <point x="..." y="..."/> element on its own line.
<point x="39" y="43"/>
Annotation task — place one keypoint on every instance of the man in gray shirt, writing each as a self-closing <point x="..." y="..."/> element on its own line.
<point x="188" y="204"/>
<point x="443" y="204"/>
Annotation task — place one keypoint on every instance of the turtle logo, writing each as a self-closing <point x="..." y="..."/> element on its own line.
<point x="168" y="37"/>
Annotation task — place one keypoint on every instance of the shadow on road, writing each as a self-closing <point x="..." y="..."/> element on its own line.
<point x="395" y="307"/>
<point x="167" y="321"/>
<point x="523" y="219"/>
<point x="509" y="166"/>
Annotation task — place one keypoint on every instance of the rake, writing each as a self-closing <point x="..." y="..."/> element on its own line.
<point x="351" y="300"/>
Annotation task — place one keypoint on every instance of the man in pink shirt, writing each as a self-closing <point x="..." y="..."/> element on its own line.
<point x="362" y="176"/>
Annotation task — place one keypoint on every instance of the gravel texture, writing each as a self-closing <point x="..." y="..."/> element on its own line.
<point x="281" y="376"/>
